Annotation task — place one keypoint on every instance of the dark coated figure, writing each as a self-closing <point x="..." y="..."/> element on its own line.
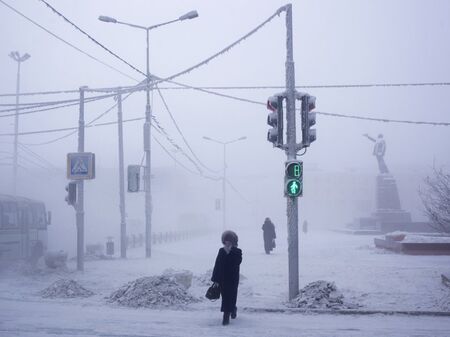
<point x="269" y="235"/>
<point x="226" y="274"/>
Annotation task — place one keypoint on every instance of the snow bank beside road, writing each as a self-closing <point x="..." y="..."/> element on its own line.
<point x="152" y="291"/>
<point x="65" y="288"/>
<point x="321" y="295"/>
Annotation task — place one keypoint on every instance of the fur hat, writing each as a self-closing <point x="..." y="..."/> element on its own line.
<point x="230" y="236"/>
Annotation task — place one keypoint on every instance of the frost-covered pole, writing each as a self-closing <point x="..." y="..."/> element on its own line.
<point x="291" y="151"/>
<point x="123" y="224"/>
<point x="19" y="59"/>
<point x="148" y="168"/>
<point x="224" y="213"/>
<point x="80" y="192"/>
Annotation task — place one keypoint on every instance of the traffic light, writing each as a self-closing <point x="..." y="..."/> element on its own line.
<point x="134" y="178"/>
<point x="71" y="189"/>
<point x="293" y="178"/>
<point x="275" y="120"/>
<point x="308" y="120"/>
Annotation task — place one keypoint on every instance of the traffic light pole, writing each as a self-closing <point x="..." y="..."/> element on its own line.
<point x="80" y="192"/>
<point x="291" y="152"/>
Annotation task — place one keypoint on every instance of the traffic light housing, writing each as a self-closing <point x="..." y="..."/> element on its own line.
<point x="308" y="120"/>
<point x="275" y="120"/>
<point x="134" y="178"/>
<point x="71" y="197"/>
<point x="293" y="178"/>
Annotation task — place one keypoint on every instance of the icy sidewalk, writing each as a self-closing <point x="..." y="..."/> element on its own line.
<point x="380" y="281"/>
<point x="34" y="319"/>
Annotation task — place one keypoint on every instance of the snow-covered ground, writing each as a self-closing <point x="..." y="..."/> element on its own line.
<point x="373" y="278"/>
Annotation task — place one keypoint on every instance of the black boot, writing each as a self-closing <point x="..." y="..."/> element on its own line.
<point x="226" y="318"/>
<point x="234" y="313"/>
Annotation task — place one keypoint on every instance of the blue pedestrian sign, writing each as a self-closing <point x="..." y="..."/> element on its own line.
<point x="80" y="165"/>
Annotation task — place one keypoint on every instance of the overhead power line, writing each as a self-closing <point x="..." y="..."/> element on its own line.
<point x="181" y="133"/>
<point x="324" y="86"/>
<point x="68" y="128"/>
<point x="91" y="38"/>
<point x="51" y="105"/>
<point x="66" y="42"/>
<point x="253" y="87"/>
<point x="386" y="120"/>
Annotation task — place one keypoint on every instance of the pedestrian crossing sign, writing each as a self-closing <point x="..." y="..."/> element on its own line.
<point x="80" y="165"/>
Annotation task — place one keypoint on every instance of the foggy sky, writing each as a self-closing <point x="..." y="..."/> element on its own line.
<point x="335" y="42"/>
<point x="346" y="42"/>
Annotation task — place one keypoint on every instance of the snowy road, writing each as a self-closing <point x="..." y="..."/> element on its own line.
<point x="56" y="319"/>
<point x="376" y="279"/>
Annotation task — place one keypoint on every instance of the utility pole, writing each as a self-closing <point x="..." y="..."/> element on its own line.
<point x="148" y="123"/>
<point x="80" y="192"/>
<point x="224" y="188"/>
<point x="19" y="59"/>
<point x="291" y="152"/>
<point x="224" y="177"/>
<point x="123" y="225"/>
<point x="147" y="168"/>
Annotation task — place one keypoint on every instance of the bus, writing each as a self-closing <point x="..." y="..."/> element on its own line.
<point x="23" y="228"/>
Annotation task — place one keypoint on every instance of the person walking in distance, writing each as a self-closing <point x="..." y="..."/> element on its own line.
<point x="226" y="274"/>
<point x="269" y="235"/>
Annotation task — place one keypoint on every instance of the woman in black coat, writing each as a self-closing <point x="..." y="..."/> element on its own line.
<point x="226" y="274"/>
<point x="269" y="235"/>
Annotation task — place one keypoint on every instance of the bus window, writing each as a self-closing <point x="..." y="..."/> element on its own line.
<point x="9" y="215"/>
<point x="39" y="220"/>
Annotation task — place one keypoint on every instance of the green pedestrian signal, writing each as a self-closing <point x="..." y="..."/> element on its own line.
<point x="294" y="188"/>
<point x="293" y="179"/>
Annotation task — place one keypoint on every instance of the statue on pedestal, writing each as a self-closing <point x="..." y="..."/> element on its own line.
<point x="379" y="149"/>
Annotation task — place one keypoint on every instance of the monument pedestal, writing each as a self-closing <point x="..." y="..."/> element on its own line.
<point x="388" y="215"/>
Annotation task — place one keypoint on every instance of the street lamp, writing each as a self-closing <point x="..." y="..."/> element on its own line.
<point x="19" y="59"/>
<point x="224" y="177"/>
<point x="147" y="124"/>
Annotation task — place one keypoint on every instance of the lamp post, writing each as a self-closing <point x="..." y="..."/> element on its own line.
<point x="19" y="59"/>
<point x="147" y="124"/>
<point x="224" y="177"/>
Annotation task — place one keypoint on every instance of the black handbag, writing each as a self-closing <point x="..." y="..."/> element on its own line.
<point x="213" y="293"/>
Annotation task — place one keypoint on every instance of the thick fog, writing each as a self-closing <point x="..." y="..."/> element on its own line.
<point x="347" y="42"/>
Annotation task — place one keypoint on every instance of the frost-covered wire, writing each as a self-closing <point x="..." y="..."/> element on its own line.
<point x="52" y="106"/>
<point x="91" y="38"/>
<point x="386" y="120"/>
<point x="325" y="86"/>
<point x="64" y="41"/>
<point x="181" y="133"/>
<point x="236" y="190"/>
<point x="188" y="70"/>
<point x="37" y="156"/>
<point x="160" y="129"/>
<point x="226" y="49"/>
<point x="25" y="106"/>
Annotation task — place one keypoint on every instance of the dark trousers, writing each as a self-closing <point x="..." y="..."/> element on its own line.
<point x="229" y="298"/>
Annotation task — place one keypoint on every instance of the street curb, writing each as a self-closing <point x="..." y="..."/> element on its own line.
<point x="350" y="312"/>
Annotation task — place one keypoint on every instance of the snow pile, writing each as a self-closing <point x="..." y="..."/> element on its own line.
<point x="65" y="288"/>
<point x="320" y="295"/>
<point x="152" y="291"/>
<point x="204" y="279"/>
<point x="182" y="277"/>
